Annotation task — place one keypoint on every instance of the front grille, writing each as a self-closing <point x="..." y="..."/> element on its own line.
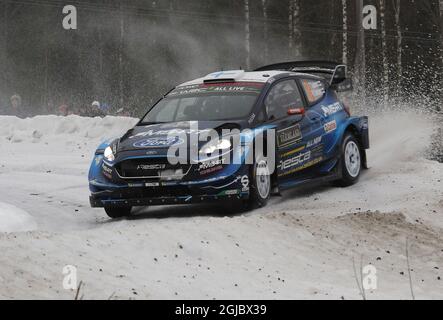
<point x="150" y="168"/>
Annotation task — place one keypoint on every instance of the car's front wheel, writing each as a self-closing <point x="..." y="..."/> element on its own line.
<point x="260" y="184"/>
<point x="118" y="212"/>
<point x="351" y="161"/>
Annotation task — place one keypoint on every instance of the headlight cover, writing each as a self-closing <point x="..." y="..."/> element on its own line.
<point x="109" y="154"/>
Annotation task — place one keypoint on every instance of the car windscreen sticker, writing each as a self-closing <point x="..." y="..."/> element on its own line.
<point x="219" y="88"/>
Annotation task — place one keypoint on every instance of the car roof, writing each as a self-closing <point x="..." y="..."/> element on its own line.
<point x="235" y="75"/>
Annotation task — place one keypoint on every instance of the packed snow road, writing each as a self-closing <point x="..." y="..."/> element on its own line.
<point x="303" y="245"/>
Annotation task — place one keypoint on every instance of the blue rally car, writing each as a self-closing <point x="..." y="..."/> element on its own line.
<point x="314" y="139"/>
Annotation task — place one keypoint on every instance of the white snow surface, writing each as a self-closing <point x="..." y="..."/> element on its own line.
<point x="303" y="245"/>
<point x="13" y="219"/>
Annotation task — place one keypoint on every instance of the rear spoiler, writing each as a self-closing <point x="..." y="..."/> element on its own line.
<point x="335" y="72"/>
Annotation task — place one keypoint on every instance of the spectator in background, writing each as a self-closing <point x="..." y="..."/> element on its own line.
<point x="104" y="107"/>
<point x="15" y="108"/>
<point x="96" y="110"/>
<point x="64" y="111"/>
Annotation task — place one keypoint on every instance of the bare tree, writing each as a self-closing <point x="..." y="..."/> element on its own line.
<point x="247" y="35"/>
<point x="334" y="36"/>
<point x="441" y="22"/>
<point x="45" y="96"/>
<point x="290" y="26"/>
<point x="434" y="13"/>
<point x="120" y="57"/>
<point x="360" y="55"/>
<point x="265" y="28"/>
<point x="441" y="37"/>
<point x="345" y="32"/>
<point x="295" y="27"/>
<point x="3" y="48"/>
<point x="384" y="50"/>
<point x="397" y="10"/>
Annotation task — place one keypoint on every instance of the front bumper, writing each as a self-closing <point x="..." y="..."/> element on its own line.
<point x="150" y="193"/>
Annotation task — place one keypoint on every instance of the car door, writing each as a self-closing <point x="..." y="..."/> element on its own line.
<point x="285" y="107"/>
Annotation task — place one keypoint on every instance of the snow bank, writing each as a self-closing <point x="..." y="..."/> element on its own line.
<point x="49" y="128"/>
<point x="13" y="219"/>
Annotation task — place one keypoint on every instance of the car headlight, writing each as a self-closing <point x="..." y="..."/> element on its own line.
<point x="109" y="154"/>
<point x="216" y="144"/>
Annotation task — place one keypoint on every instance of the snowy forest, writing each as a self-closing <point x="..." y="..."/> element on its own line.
<point x="129" y="53"/>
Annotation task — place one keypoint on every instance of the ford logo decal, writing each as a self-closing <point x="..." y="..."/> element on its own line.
<point x="158" y="142"/>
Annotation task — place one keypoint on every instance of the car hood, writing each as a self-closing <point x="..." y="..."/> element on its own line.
<point x="157" y="138"/>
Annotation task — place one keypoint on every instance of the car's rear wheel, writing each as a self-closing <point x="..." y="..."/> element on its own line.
<point x="118" y="212"/>
<point x="351" y="161"/>
<point x="260" y="184"/>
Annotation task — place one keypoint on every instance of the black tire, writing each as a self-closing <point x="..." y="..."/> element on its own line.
<point x="118" y="212"/>
<point x="351" y="161"/>
<point x="258" y="197"/>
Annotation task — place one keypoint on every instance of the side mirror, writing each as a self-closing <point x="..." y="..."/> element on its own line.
<point x="345" y="85"/>
<point x="296" y="111"/>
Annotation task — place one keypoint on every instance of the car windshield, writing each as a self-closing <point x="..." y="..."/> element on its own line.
<point x="206" y="102"/>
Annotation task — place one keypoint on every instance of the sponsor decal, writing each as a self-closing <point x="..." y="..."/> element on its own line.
<point x="244" y="87"/>
<point x="135" y="185"/>
<point x="314" y="142"/>
<point x="302" y="167"/>
<point x="211" y="170"/>
<point x="107" y="172"/>
<point x="173" y="132"/>
<point x="170" y="183"/>
<point x="151" y="166"/>
<point x="332" y="109"/>
<point x="152" y="184"/>
<point x="229" y="193"/>
<point x="289" y="136"/>
<point x="211" y="164"/>
<point x="330" y="126"/>
<point x="298" y="160"/>
<point x="158" y="142"/>
<point x="314" y="89"/>
<point x="245" y="183"/>
<point x="290" y="153"/>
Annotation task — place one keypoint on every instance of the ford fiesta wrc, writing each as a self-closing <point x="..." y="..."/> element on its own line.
<point x="235" y="135"/>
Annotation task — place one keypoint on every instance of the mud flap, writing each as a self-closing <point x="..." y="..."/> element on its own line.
<point x="364" y="127"/>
